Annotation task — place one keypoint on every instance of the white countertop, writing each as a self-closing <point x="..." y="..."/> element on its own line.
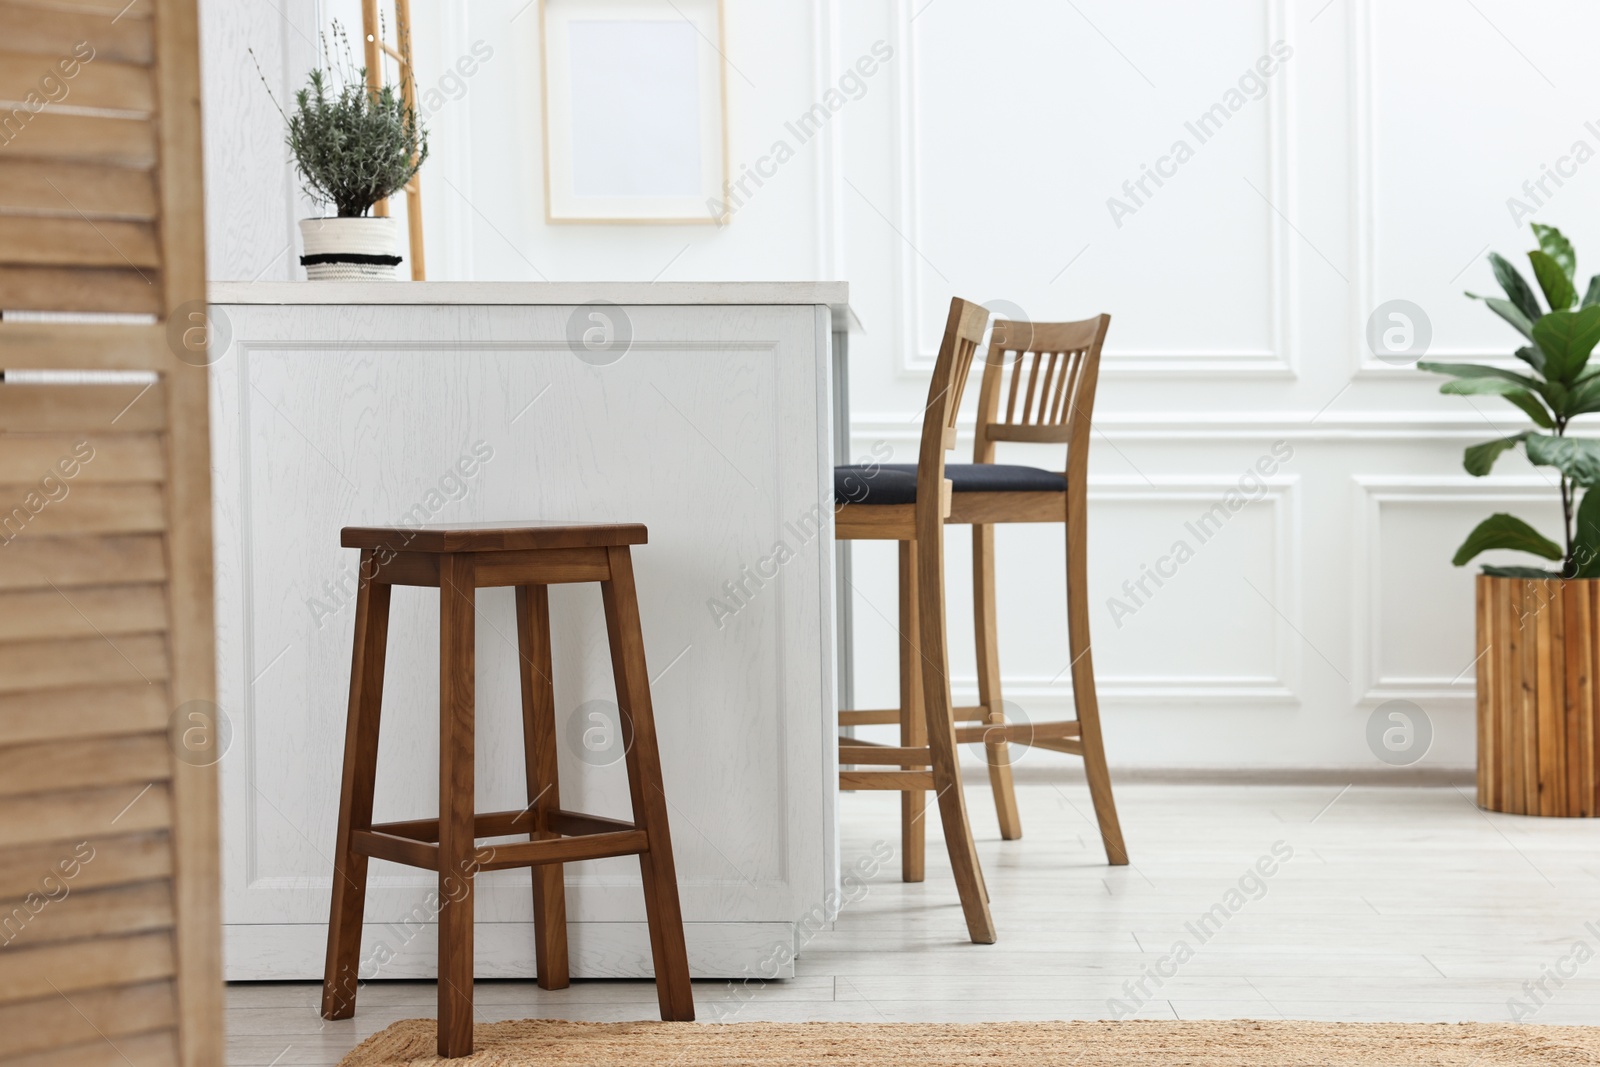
<point x="834" y="294"/>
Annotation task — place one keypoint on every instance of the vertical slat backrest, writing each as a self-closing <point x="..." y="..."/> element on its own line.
<point x="109" y="901"/>
<point x="963" y="334"/>
<point x="1045" y="374"/>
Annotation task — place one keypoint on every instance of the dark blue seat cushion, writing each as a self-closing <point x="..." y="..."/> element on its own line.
<point x="896" y="483"/>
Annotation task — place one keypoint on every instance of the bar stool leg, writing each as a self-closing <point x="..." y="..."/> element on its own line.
<point x="913" y="721"/>
<point x="984" y="627"/>
<point x="341" y="975"/>
<point x="1083" y="691"/>
<point x="544" y="788"/>
<point x="457" y="844"/>
<point x="942" y="737"/>
<point x="644" y="781"/>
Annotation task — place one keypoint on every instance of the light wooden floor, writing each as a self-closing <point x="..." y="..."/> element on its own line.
<point x="1399" y="904"/>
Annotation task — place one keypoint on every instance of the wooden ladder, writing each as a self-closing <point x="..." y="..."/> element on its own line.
<point x="376" y="48"/>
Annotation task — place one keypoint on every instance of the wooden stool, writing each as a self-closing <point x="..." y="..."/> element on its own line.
<point x="457" y="560"/>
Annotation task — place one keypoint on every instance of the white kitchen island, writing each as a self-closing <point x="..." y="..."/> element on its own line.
<point x="701" y="411"/>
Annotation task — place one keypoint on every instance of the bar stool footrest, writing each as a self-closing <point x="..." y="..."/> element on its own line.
<point x="562" y="850"/>
<point x="1018" y="733"/>
<point x="900" y="780"/>
<point x="574" y="836"/>
<point x="507" y="823"/>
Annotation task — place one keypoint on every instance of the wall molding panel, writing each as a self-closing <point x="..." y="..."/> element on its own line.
<point x="1370" y="685"/>
<point x="916" y="352"/>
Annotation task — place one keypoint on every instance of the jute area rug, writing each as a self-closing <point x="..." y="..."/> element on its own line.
<point x="547" y="1043"/>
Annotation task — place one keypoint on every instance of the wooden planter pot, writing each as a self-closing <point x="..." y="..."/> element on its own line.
<point x="1539" y="645"/>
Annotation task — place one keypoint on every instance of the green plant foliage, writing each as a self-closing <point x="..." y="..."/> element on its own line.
<point x="1561" y="386"/>
<point x="353" y="146"/>
<point x="1505" y="531"/>
<point x="1516" y="288"/>
<point x="1588" y="535"/>
<point x="1519" y="572"/>
<point x="1553" y="280"/>
<point x="1558" y="248"/>
<point x="1566" y="338"/>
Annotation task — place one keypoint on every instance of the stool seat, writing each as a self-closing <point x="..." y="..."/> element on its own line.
<point x="493" y="536"/>
<point x="896" y="483"/>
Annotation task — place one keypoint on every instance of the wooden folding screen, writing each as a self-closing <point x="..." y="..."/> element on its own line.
<point x="109" y="906"/>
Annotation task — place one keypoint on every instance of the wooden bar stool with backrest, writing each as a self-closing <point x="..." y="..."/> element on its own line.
<point x="909" y="504"/>
<point x="458" y="560"/>
<point x="1045" y="374"/>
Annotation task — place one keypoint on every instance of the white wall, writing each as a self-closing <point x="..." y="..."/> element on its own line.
<point x="978" y="161"/>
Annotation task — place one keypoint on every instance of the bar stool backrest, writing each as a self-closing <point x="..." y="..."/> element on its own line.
<point x="1038" y="385"/>
<point x="963" y="334"/>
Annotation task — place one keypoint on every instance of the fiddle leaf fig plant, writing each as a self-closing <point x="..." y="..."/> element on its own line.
<point x="1558" y="385"/>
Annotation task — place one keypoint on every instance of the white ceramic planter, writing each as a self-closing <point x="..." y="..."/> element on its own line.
<point x="347" y="250"/>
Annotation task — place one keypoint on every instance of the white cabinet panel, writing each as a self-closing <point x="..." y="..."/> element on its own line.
<point x="711" y="430"/>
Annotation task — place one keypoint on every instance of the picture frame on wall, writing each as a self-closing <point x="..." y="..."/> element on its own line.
<point x="635" y="111"/>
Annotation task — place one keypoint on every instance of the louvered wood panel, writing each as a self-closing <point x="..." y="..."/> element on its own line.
<point x="86" y="346"/>
<point x="71" y="662"/>
<point x="99" y="83"/>
<point x="31" y="973"/>
<point x="107" y="611"/>
<point x="111" y="9"/>
<point x="105" y="565"/>
<point x="81" y="409"/>
<point x="67" y="562"/>
<point x="145" y="1050"/>
<point x="61" y="241"/>
<point x="68" y="915"/>
<point x="31" y="187"/>
<point x="56" y="136"/>
<point x="89" y="711"/>
<point x="27" y="28"/>
<point x="99" y="289"/>
<point x="34" y="1026"/>
<point x="101" y="761"/>
<point x="85" y="459"/>
<point x="76" y="815"/>
<point x="119" y="859"/>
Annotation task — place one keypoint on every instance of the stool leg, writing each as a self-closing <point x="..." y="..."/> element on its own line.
<point x="544" y="789"/>
<point x="913" y="723"/>
<point x="644" y="781"/>
<point x="341" y="974"/>
<point x="942" y="733"/>
<point x="984" y="626"/>
<point x="1083" y="691"/>
<point x="457" y="845"/>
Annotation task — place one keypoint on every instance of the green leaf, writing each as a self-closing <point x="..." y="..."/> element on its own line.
<point x="1479" y="459"/>
<point x="1567" y="338"/>
<point x="1586" y="538"/>
<point x="1584" y="399"/>
<point x="1558" y="397"/>
<point x="1516" y="287"/>
<point x="1505" y="531"/>
<point x="1592" y="297"/>
<point x="1531" y="355"/>
<point x="1500" y="387"/>
<point x="1576" y="457"/>
<point x="1479" y="370"/>
<point x="1553" y="280"/>
<point x="1510" y="312"/>
<point x="1555" y="245"/>
<point x="1519" y="572"/>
